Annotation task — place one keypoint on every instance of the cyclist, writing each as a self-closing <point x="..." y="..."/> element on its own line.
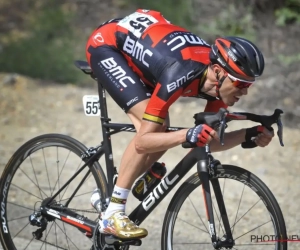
<point x="146" y="63"/>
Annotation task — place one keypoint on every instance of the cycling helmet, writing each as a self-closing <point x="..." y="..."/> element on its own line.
<point x="238" y="57"/>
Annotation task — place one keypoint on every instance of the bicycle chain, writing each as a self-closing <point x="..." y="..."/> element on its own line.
<point x="72" y="209"/>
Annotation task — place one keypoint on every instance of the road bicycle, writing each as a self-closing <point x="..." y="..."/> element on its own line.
<point x="46" y="186"/>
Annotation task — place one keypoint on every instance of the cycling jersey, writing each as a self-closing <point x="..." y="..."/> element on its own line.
<point x="144" y="56"/>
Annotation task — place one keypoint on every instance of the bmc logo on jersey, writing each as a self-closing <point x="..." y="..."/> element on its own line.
<point x="181" y="40"/>
<point x="137" y="50"/>
<point x="180" y="81"/>
<point x="117" y="72"/>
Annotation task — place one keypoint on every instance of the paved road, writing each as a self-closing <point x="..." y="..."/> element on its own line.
<point x="42" y="109"/>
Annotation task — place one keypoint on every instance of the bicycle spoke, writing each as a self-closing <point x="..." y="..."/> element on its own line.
<point x="238" y="208"/>
<point x="14" y="204"/>
<point x="245" y="213"/>
<point x="57" y="167"/>
<point x="67" y="237"/>
<point x="248" y="205"/>
<point x="199" y="216"/>
<point x="20" y="230"/>
<point x="252" y="229"/>
<point x="48" y="233"/>
<point x="47" y="171"/>
<point x="52" y="161"/>
<point x="26" y="191"/>
<point x="36" y="179"/>
<point x="58" y="178"/>
<point x="19" y="218"/>
<point x="76" y="196"/>
<point x="29" y="243"/>
<point x="193" y="225"/>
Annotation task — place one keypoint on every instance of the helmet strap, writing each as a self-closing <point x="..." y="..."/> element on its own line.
<point x="219" y="84"/>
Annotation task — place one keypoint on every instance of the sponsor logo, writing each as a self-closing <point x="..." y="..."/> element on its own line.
<point x="158" y="191"/>
<point x="137" y="50"/>
<point x="117" y="193"/>
<point x="116" y="72"/>
<point x="233" y="177"/>
<point x="180" y="81"/>
<point x="232" y="56"/>
<point x="74" y="219"/>
<point x="3" y="212"/>
<point x="98" y="39"/>
<point x="181" y="40"/>
<point x="132" y="101"/>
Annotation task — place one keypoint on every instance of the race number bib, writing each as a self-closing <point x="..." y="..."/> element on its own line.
<point x="137" y="23"/>
<point x="91" y="105"/>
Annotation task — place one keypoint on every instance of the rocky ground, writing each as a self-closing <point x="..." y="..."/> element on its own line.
<point x="29" y="108"/>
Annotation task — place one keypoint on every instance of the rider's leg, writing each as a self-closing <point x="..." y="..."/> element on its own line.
<point x="135" y="114"/>
<point x="132" y="164"/>
<point x="132" y="96"/>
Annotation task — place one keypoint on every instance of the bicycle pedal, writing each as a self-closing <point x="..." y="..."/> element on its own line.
<point x="111" y="240"/>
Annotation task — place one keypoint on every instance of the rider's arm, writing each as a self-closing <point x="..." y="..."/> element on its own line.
<point x="235" y="138"/>
<point x="149" y="140"/>
<point x="231" y="140"/>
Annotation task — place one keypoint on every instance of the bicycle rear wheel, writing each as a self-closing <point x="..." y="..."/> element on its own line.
<point x="37" y="170"/>
<point x="254" y="215"/>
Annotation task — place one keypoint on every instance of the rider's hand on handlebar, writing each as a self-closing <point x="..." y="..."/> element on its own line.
<point x="264" y="138"/>
<point x="260" y="135"/>
<point x="200" y="135"/>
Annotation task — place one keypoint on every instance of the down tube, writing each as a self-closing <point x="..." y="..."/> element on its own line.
<point x="141" y="212"/>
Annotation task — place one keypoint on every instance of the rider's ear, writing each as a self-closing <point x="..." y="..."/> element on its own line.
<point x="216" y="70"/>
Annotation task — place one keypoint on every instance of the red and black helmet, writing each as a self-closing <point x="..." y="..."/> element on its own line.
<point x="238" y="57"/>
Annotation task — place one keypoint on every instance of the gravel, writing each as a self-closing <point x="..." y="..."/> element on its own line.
<point x="29" y="108"/>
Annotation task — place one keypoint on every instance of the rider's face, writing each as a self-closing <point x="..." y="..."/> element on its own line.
<point x="231" y="91"/>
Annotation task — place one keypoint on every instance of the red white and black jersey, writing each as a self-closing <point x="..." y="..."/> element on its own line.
<point x="168" y="59"/>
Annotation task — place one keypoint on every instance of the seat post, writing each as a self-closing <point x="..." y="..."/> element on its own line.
<point x="106" y="137"/>
<point x="103" y="105"/>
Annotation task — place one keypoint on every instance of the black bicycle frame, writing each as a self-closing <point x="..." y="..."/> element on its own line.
<point x="199" y="155"/>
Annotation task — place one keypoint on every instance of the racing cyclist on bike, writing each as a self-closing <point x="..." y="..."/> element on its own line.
<point x="146" y="63"/>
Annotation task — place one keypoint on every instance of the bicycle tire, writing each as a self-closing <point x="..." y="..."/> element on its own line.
<point x="19" y="191"/>
<point x="174" y="238"/>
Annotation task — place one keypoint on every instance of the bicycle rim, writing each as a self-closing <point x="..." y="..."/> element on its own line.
<point x="36" y="171"/>
<point x="254" y="215"/>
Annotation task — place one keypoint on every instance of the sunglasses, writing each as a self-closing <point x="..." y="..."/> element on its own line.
<point x="241" y="84"/>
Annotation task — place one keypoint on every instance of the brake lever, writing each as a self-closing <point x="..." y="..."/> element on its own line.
<point x="280" y="131"/>
<point x="267" y="121"/>
<point x="222" y="126"/>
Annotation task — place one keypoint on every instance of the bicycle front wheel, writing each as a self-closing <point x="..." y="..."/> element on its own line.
<point x="37" y="171"/>
<point x="254" y="215"/>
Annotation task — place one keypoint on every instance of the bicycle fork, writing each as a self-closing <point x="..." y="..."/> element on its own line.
<point x="204" y="175"/>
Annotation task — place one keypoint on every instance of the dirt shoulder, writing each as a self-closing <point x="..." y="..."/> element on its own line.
<point x="29" y="108"/>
